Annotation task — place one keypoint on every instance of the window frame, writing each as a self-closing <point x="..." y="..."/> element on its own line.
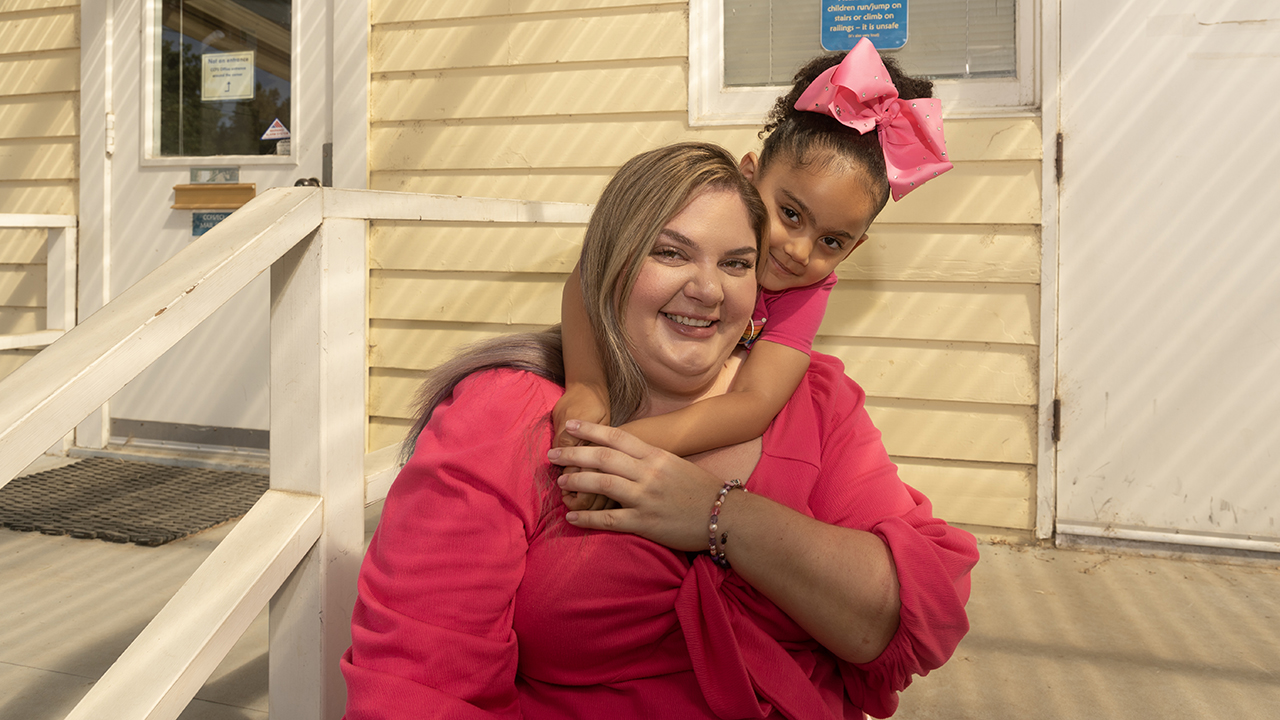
<point x="711" y="103"/>
<point x="149" y="127"/>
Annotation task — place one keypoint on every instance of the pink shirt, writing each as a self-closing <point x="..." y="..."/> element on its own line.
<point x="477" y="600"/>
<point x="790" y="317"/>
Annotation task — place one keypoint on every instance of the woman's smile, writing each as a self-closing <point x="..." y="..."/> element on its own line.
<point x="691" y="324"/>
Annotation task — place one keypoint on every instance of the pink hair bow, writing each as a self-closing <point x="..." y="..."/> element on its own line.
<point x="859" y="94"/>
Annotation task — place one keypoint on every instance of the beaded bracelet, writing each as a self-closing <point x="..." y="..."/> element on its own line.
<point x="715" y="549"/>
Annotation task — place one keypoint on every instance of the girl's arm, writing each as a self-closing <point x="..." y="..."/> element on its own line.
<point x="586" y="391"/>
<point x="765" y="382"/>
<point x="586" y="394"/>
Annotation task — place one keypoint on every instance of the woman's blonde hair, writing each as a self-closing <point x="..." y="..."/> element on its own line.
<point x="643" y="196"/>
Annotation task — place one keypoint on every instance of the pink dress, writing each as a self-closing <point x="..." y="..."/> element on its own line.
<point x="477" y="600"/>
<point x="790" y="317"/>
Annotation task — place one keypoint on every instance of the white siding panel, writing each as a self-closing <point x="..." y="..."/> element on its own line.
<point x="391" y="393"/>
<point x="53" y="197"/>
<point x="544" y="143"/>
<point x="7" y="6"/>
<point x="956" y="431"/>
<point x="500" y="93"/>
<point x="515" y="298"/>
<point x="389" y="11"/>
<point x="420" y="346"/>
<point x="22" y="285"/>
<point x="929" y="370"/>
<point x="993" y="138"/>
<point x="975" y="493"/>
<point x="55" y="71"/>
<point x="387" y="431"/>
<point x="984" y="192"/>
<point x="38" y="116"/>
<point x="38" y="159"/>
<point x="53" y="29"/>
<point x="996" y="313"/>
<point x="489" y="247"/>
<point x="21" y="320"/>
<point x="645" y="33"/>
<point x="23" y="246"/>
<point x="582" y="186"/>
<point x="957" y="253"/>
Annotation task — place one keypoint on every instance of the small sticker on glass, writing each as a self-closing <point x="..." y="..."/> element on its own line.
<point x="277" y="131"/>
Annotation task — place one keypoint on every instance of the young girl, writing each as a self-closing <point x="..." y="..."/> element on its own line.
<point x="853" y="130"/>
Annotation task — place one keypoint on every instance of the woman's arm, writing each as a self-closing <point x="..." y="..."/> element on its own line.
<point x="432" y="626"/>
<point x="763" y="385"/>
<point x="838" y="583"/>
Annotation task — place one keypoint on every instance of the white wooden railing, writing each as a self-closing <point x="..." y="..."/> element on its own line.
<point x="300" y="546"/>
<point x="60" y="278"/>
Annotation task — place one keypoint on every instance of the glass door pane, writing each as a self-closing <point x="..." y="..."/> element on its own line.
<point x="224" y="77"/>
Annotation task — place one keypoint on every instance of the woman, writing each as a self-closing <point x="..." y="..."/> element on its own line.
<point x="479" y="597"/>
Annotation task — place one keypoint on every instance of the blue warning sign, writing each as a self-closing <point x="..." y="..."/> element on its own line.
<point x="883" y="23"/>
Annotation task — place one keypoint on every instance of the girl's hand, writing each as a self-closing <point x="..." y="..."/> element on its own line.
<point x="661" y="497"/>
<point x="580" y="401"/>
<point x="585" y="500"/>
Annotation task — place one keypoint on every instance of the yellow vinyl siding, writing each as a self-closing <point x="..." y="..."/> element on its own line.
<point x="39" y="150"/>
<point x="389" y="11"/>
<point x="39" y="84"/>
<point x="936" y="316"/>
<point x="22" y="290"/>
<point x="640" y="32"/>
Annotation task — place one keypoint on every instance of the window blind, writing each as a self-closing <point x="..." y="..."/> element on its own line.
<point x="766" y="41"/>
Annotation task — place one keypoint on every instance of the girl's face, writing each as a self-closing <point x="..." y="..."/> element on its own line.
<point x="816" y="218"/>
<point x="693" y="295"/>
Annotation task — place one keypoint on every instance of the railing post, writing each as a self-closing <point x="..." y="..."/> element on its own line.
<point x="317" y="447"/>
<point x="60" y="295"/>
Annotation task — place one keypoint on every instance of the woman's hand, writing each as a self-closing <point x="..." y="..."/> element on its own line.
<point x="839" y="584"/>
<point x="661" y="497"/>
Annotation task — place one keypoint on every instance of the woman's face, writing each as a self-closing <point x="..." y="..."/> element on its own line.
<point x="694" y="295"/>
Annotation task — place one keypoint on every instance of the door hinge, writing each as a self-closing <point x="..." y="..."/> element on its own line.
<point x="1057" y="160"/>
<point x="1056" y="431"/>
<point x="111" y="133"/>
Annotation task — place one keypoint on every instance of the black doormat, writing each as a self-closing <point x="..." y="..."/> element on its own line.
<point x="123" y="501"/>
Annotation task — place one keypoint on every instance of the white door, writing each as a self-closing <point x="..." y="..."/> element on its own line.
<point x="1169" y="312"/>
<point x="214" y="86"/>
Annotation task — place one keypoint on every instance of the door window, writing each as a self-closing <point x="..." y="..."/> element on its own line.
<point x="222" y="78"/>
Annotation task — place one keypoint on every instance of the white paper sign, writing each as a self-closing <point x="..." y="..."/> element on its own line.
<point x="227" y="76"/>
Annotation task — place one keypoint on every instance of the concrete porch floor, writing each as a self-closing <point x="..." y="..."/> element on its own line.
<point x="1055" y="633"/>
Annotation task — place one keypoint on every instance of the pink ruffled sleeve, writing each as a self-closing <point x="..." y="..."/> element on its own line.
<point x="859" y="488"/>
<point x="432" y="628"/>
<point x="795" y="315"/>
